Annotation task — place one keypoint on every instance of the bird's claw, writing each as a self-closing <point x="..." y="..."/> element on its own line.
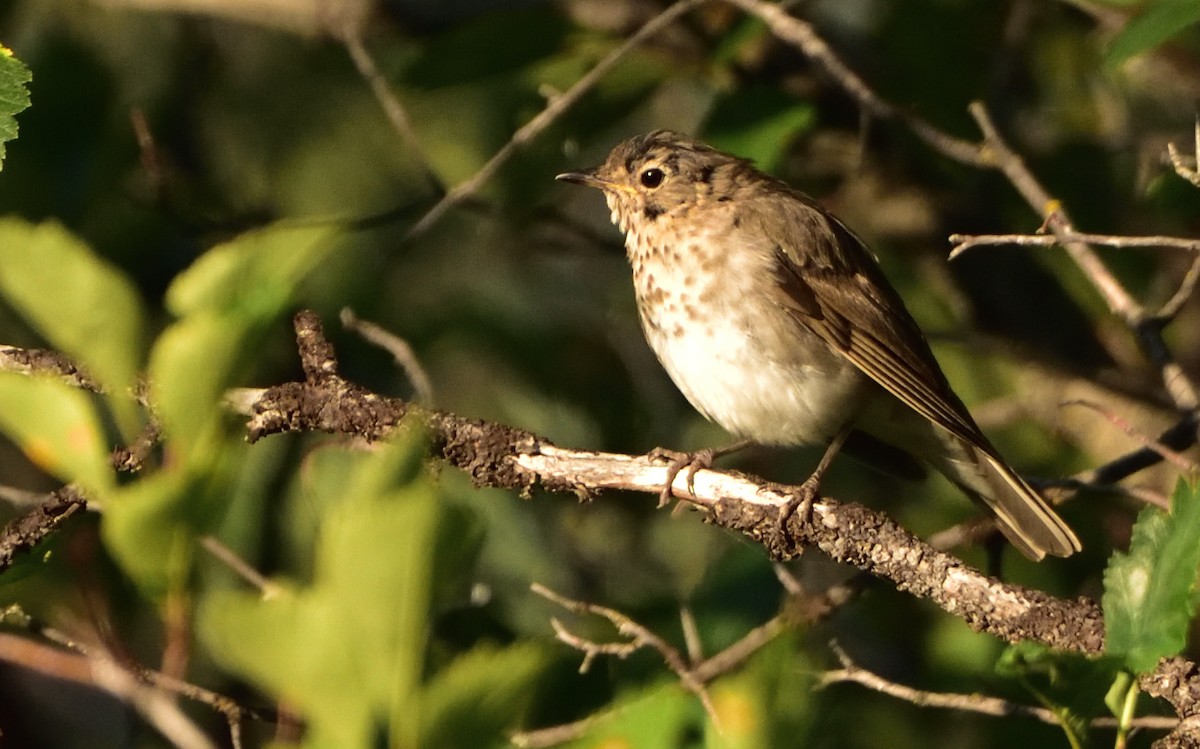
<point x="680" y="461"/>
<point x="800" y="505"/>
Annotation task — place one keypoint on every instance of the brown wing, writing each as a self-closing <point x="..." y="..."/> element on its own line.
<point x="829" y="282"/>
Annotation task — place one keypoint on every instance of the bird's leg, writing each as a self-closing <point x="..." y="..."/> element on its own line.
<point x="692" y="462"/>
<point x="801" y="500"/>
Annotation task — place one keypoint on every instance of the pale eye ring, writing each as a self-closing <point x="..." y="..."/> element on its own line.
<point x="652" y="178"/>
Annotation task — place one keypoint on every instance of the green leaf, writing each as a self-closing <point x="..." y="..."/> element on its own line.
<point x="143" y="527"/>
<point x="227" y="300"/>
<point x="658" y="715"/>
<point x="253" y="275"/>
<point x="348" y="651"/>
<point x="1070" y="685"/>
<point x="1160" y="21"/>
<point x="14" y="96"/>
<point x="1148" y="601"/>
<point x="83" y="306"/>
<point x="479" y="696"/>
<point x="57" y="428"/>
<point x="758" y="123"/>
<point x="191" y="366"/>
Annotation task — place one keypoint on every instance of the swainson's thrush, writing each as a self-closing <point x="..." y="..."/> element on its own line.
<point x="777" y="323"/>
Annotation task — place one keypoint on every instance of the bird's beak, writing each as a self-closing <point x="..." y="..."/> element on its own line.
<point x="587" y="178"/>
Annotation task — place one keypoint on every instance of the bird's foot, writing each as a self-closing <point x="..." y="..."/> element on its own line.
<point x="691" y="462"/>
<point x="679" y="462"/>
<point x="800" y="506"/>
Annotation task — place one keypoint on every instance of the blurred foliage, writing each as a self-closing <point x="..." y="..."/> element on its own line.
<point x="182" y="183"/>
<point x="1159" y="21"/>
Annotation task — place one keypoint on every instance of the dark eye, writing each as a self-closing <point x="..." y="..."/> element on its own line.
<point x="652" y="178"/>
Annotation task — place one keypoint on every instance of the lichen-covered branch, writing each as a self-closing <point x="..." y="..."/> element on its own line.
<point x="502" y="456"/>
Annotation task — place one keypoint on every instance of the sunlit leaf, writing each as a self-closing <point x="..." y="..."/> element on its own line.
<point x="192" y="364"/>
<point x="349" y="650"/>
<point x="253" y="275"/>
<point x="144" y="530"/>
<point x="81" y="304"/>
<point x="1148" y="592"/>
<point x="476" y="698"/>
<point x="57" y="428"/>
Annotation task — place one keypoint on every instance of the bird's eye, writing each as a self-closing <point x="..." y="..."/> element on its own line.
<point x="652" y="178"/>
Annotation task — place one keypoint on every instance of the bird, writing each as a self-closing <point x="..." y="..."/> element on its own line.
<point x="777" y="323"/>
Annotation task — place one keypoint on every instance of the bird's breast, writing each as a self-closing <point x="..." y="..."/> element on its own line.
<point x="707" y="310"/>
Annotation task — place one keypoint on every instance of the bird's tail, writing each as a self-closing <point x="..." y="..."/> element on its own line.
<point x="1021" y="513"/>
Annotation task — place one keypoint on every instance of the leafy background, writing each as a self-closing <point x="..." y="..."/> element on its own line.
<point x="183" y="182"/>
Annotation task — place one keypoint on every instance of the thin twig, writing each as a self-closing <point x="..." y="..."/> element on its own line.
<point x="974" y="703"/>
<point x="390" y="103"/>
<point x="555" y="107"/>
<point x="964" y="242"/>
<point x="230" y="559"/>
<point x="739" y="652"/>
<point x="1052" y="211"/>
<point x="804" y="37"/>
<point x="1186" y="288"/>
<point x="1185" y="166"/>
<point x="401" y="352"/>
<point x="1171" y="456"/>
<point x="105" y="673"/>
<point x="1179" y="436"/>
<point x="555" y="735"/>
<point x="639" y="636"/>
<point x="691" y="634"/>
<point x="1146" y="329"/>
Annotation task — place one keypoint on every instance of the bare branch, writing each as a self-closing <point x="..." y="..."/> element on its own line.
<point x="1179" y="436"/>
<point x="804" y="37"/>
<point x="101" y="671"/>
<point x="1177" y="680"/>
<point x="34" y="361"/>
<point x="1005" y="159"/>
<point x="1146" y="329"/>
<point x="501" y="456"/>
<point x="1186" y="288"/>
<point x="964" y="242"/>
<point x="554" y="735"/>
<point x="401" y="352"/>
<point x="1185" y="166"/>
<point x="1171" y="456"/>
<point x="639" y="637"/>
<point x="21" y="534"/>
<point x="230" y="559"/>
<point x="389" y="102"/>
<point x="973" y="703"/>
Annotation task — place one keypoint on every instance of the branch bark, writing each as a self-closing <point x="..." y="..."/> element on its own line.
<point x="502" y="456"/>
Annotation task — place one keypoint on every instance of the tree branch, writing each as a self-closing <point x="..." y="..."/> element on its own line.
<point x="973" y="703"/>
<point x="501" y="456"/>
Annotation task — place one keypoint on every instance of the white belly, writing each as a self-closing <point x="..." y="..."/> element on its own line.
<point x="753" y="383"/>
<point x="703" y="307"/>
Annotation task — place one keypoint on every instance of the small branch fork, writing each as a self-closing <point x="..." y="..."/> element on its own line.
<point x="638" y="638"/>
<point x="695" y="671"/>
